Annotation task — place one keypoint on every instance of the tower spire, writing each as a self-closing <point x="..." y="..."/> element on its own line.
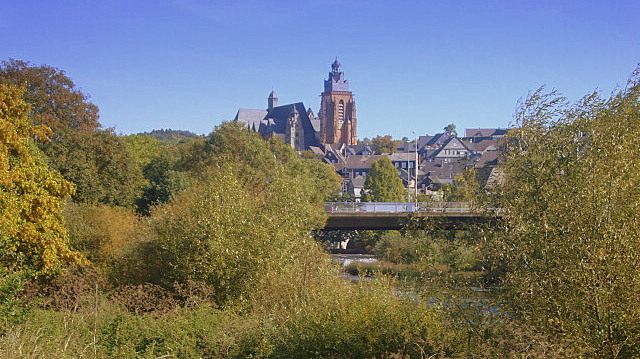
<point x="272" y="101"/>
<point x="337" y="113"/>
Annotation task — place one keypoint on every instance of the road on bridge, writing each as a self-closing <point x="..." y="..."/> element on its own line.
<point x="401" y="215"/>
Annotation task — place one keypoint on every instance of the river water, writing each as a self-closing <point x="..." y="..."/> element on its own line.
<point x="480" y="300"/>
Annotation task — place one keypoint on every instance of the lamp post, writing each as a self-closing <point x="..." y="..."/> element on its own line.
<point x="415" y="169"/>
<point x="406" y="146"/>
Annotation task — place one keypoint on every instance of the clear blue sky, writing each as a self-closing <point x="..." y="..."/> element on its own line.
<point x="413" y="65"/>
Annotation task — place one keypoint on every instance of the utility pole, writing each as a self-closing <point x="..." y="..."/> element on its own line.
<point x="415" y="169"/>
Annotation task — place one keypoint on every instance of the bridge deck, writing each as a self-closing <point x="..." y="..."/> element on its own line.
<point x="392" y="215"/>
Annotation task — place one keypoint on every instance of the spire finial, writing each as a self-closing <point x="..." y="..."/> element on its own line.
<point x="335" y="66"/>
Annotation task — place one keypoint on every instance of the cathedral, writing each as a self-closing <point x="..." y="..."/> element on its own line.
<point x="298" y="127"/>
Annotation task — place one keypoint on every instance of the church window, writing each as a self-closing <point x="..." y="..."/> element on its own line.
<point x="340" y="113"/>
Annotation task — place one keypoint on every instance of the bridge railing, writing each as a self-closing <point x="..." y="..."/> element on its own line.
<point x="398" y="207"/>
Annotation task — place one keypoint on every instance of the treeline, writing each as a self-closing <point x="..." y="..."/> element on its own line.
<point x="131" y="246"/>
<point x="201" y="246"/>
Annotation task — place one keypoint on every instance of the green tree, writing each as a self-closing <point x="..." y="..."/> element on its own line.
<point x="250" y="209"/>
<point x="383" y="183"/>
<point x="143" y="148"/>
<point x="450" y="130"/>
<point x="383" y="144"/>
<point x="32" y="235"/>
<point x="164" y="182"/>
<point x="570" y="197"/>
<point x="465" y="188"/>
<point x="94" y="159"/>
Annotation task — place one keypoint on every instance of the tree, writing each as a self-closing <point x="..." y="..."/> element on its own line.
<point x="383" y="144"/>
<point x="250" y="210"/>
<point x="465" y="188"/>
<point x="32" y="235"/>
<point x="91" y="157"/>
<point x="143" y="148"/>
<point x="570" y="197"/>
<point x="100" y="165"/>
<point x="450" y="130"/>
<point x="54" y="99"/>
<point x="382" y="183"/>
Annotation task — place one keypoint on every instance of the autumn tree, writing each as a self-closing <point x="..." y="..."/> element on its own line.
<point x="93" y="158"/>
<point x="570" y="198"/>
<point x="32" y="235"/>
<point x="383" y="183"/>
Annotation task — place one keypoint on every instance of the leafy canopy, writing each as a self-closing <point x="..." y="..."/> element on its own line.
<point x="32" y="235"/>
<point x="249" y="211"/>
<point x="570" y="195"/>
<point x="382" y="183"/>
<point x="383" y="144"/>
<point x="94" y="159"/>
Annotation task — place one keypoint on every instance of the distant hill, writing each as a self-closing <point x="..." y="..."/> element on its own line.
<point x="169" y="134"/>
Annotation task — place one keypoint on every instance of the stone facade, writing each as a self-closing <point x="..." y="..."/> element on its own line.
<point x="298" y="126"/>
<point x="338" y="123"/>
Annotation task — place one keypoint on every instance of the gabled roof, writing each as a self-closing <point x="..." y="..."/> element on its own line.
<point x="437" y="139"/>
<point x="488" y="158"/>
<point x="455" y="141"/>
<point x="316" y="151"/>
<point x="358" y="149"/>
<point x="274" y="122"/>
<point x="250" y="117"/>
<point x="329" y="150"/>
<point x="279" y="116"/>
<point x="484" y="132"/>
<point x="445" y="169"/>
<point x="357" y="182"/>
<point x="488" y="145"/>
<point x="402" y="157"/>
<point x="423" y="140"/>
<point x="361" y="161"/>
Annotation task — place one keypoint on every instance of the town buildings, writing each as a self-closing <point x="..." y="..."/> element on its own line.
<point x="424" y="165"/>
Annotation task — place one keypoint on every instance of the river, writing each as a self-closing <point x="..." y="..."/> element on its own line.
<point x="467" y="297"/>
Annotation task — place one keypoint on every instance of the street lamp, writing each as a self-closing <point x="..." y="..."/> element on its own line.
<point x="415" y="169"/>
<point x="406" y="146"/>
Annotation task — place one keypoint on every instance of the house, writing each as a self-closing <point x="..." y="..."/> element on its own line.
<point x="479" y="134"/>
<point x="452" y="149"/>
<point x="357" y="165"/>
<point x="355" y="186"/>
<point x="405" y="161"/>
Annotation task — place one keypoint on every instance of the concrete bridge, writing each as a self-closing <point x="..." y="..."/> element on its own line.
<point x="400" y="215"/>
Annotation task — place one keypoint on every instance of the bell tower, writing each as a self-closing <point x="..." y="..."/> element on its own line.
<point x="337" y="109"/>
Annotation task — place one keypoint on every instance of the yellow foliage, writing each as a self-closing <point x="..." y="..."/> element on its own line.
<point x="31" y="195"/>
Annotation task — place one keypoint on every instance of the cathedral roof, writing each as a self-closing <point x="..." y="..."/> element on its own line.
<point x="250" y="117"/>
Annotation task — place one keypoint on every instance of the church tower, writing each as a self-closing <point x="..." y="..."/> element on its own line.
<point x="272" y="101"/>
<point x="337" y="109"/>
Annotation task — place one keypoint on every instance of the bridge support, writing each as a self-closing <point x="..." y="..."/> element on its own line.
<point x="397" y="221"/>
